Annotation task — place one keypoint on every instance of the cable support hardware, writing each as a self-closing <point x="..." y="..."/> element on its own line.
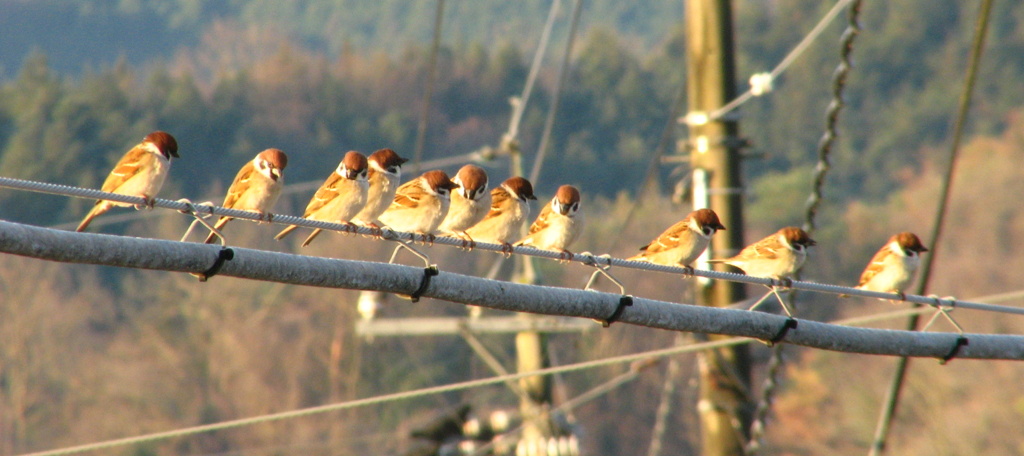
<point x="582" y="258"/>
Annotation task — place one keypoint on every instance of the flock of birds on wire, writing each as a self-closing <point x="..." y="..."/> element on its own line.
<point x="365" y="191"/>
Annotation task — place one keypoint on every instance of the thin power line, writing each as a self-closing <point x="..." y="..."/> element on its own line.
<point x="394" y="397"/>
<point x="428" y="93"/>
<point x="531" y="78"/>
<point x="776" y="362"/>
<point x="556" y="96"/>
<point x="786" y="61"/>
<point x="896" y="386"/>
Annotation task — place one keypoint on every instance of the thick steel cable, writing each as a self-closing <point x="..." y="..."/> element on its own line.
<point x="584" y="258"/>
<point x="428" y="94"/>
<point x="195" y="258"/>
<point x="895" y="390"/>
<point x="777" y="360"/>
<point x="556" y="96"/>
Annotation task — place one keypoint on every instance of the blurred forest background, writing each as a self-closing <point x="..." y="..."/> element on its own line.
<point x="90" y="353"/>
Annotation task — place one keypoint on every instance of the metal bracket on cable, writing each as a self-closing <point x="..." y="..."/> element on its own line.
<point x="773" y="289"/>
<point x="200" y="219"/>
<point x="791" y="323"/>
<point x="943" y="310"/>
<point x="225" y="254"/>
<point x="961" y="341"/>
<point x="429" y="270"/>
<point x="603" y="269"/>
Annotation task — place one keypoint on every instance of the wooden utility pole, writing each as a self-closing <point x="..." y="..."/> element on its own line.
<point x="725" y="404"/>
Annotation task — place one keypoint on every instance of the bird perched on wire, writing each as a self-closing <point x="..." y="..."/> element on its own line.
<point x="893" y="266"/>
<point x="510" y="208"/>
<point x="470" y="202"/>
<point x="421" y="204"/>
<point x="385" y="176"/>
<point x="140" y="172"/>
<point x="559" y="223"/>
<point x="340" y="197"/>
<point x="682" y="242"/>
<point x="777" y="256"/>
<point x="256" y="187"/>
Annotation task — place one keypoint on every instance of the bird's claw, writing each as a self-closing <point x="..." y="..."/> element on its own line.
<point x="350" y="228"/>
<point x="687" y="271"/>
<point x="147" y="203"/>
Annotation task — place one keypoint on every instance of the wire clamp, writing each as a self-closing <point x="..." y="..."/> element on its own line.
<point x="791" y="323"/>
<point x="428" y="272"/>
<point x="961" y="341"/>
<point x="624" y="301"/>
<point x="225" y="254"/>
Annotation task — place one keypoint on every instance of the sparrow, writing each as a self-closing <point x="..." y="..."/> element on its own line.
<point x="893" y="266"/>
<point x="340" y="197"/>
<point x="421" y="204"/>
<point x="140" y="172"/>
<point x="558" y="224"/>
<point x="682" y="242"/>
<point x="256" y="187"/>
<point x="470" y="202"/>
<point x="777" y="256"/>
<point x="385" y="175"/>
<point x="510" y="208"/>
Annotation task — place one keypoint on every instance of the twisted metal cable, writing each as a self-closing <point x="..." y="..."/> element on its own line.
<point x="584" y="258"/>
<point x="776" y="362"/>
<point x="832" y="114"/>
